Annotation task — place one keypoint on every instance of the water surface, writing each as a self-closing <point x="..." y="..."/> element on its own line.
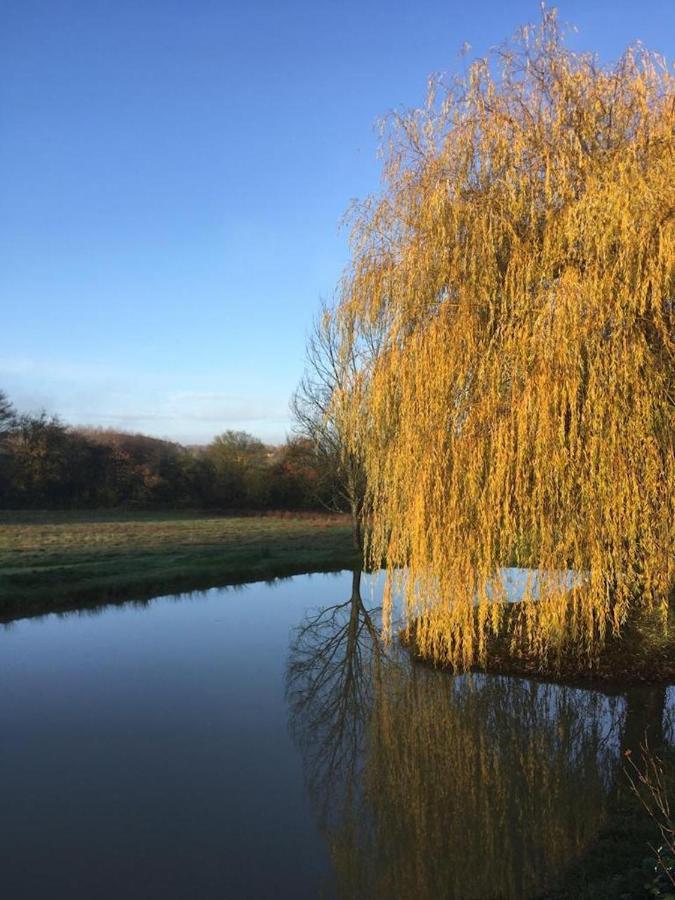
<point x="259" y="742"/>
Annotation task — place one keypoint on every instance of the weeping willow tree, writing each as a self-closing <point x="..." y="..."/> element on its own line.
<point x="521" y="407"/>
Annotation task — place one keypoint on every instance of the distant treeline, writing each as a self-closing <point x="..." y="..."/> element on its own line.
<point x="46" y="464"/>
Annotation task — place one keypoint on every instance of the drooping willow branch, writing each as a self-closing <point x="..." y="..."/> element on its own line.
<point x="521" y="406"/>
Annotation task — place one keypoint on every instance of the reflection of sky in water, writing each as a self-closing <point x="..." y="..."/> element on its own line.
<point x="512" y="583"/>
<point x="669" y="715"/>
<point x="167" y="725"/>
<point x="518" y="582"/>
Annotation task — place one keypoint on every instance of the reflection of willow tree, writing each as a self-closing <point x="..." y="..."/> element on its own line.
<point x="481" y="787"/>
<point x="432" y="786"/>
<point x="335" y="661"/>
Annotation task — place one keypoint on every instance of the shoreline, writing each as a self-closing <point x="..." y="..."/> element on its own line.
<point x="62" y="562"/>
<point x="641" y="656"/>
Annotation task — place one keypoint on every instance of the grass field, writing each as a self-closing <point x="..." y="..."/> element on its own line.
<point x="53" y="560"/>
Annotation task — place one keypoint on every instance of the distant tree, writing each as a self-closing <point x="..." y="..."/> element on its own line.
<point x="44" y="461"/>
<point x="297" y="479"/>
<point x="237" y="448"/>
<point x="199" y="477"/>
<point x="238" y="459"/>
<point x="140" y="470"/>
<point x="8" y="423"/>
<point x="8" y="417"/>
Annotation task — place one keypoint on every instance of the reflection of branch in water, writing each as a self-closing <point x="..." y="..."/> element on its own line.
<point x="335" y="658"/>
<point x="429" y="785"/>
<point x="476" y="787"/>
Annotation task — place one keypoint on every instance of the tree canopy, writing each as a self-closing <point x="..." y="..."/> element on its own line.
<point x="45" y="463"/>
<point x="7" y="415"/>
<point x="521" y="406"/>
<point x="326" y="409"/>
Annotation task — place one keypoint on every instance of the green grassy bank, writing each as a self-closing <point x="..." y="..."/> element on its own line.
<point x="56" y="561"/>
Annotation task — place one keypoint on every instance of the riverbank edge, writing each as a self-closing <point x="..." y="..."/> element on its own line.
<point x="83" y="599"/>
<point x="68" y="581"/>
<point x="641" y="655"/>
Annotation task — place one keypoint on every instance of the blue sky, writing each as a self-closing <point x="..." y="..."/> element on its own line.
<point x="173" y="176"/>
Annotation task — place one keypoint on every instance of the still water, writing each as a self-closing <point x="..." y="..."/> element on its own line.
<point x="258" y="742"/>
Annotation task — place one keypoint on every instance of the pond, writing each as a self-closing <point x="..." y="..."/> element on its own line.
<point x="259" y="742"/>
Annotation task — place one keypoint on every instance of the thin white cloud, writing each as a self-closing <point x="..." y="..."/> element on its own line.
<point x="89" y="394"/>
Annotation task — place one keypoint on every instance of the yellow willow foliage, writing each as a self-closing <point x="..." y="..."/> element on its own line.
<point x="521" y="405"/>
